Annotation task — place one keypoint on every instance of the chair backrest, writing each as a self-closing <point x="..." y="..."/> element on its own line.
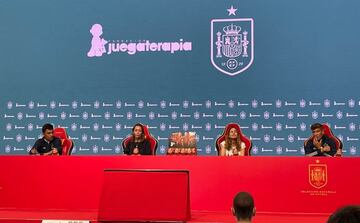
<point x="152" y="140"/>
<point x="60" y="133"/>
<point x="243" y="138"/>
<point x="328" y="132"/>
<point x="66" y="143"/>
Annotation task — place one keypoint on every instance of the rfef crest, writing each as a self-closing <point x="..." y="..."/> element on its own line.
<point x="318" y="175"/>
<point x="232" y="44"/>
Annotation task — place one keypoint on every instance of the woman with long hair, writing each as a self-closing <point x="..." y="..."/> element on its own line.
<point x="232" y="145"/>
<point x="138" y="145"/>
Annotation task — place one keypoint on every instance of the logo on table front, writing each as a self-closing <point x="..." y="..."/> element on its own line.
<point x="318" y="175"/>
<point x="232" y="44"/>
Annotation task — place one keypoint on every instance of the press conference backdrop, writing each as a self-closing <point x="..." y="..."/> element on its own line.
<point x="98" y="67"/>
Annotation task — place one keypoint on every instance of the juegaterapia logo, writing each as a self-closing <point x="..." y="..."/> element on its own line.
<point x="100" y="46"/>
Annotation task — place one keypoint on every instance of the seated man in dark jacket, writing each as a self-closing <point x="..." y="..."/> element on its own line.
<point x="319" y="144"/>
<point x="48" y="144"/>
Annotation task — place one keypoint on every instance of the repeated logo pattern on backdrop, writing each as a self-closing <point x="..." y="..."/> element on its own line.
<point x="275" y="127"/>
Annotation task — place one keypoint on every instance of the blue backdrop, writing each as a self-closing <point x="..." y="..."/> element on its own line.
<point x="301" y="67"/>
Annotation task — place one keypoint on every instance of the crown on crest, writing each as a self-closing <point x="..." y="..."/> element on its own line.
<point x="232" y="29"/>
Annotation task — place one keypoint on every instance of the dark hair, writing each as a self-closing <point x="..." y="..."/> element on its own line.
<point x="47" y="126"/>
<point x="142" y="131"/>
<point x="316" y="126"/>
<point x="243" y="205"/>
<point x="347" y="214"/>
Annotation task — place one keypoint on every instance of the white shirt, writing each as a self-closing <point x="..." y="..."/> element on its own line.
<point x="230" y="152"/>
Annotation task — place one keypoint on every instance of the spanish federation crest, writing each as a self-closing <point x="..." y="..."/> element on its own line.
<point x="318" y="175"/>
<point x="232" y="44"/>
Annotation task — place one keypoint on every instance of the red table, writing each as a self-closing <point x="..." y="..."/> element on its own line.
<point x="36" y="185"/>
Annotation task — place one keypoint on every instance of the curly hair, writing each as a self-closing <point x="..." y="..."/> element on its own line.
<point x="228" y="141"/>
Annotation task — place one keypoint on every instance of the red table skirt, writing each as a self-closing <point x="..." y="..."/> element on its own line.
<point x="278" y="184"/>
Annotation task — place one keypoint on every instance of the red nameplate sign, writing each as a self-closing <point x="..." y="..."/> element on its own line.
<point x="145" y="195"/>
